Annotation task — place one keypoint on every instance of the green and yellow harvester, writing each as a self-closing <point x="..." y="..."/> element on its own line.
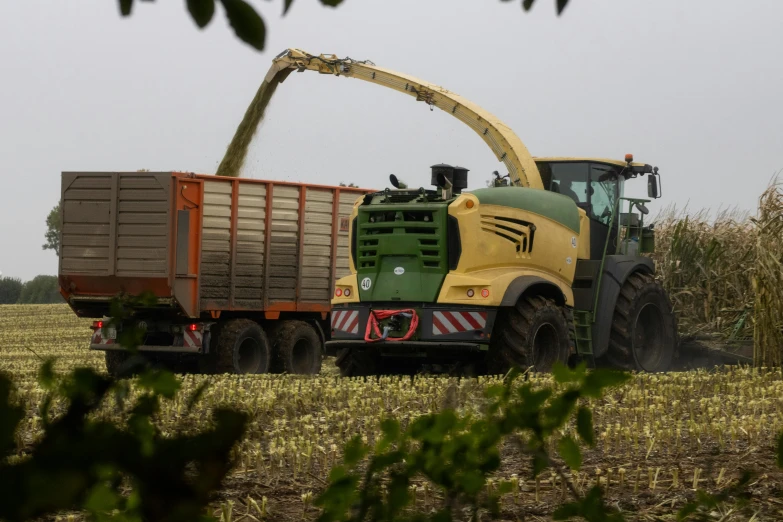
<point x="547" y="265"/>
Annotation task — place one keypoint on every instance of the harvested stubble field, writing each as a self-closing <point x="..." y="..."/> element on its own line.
<point x="658" y="437"/>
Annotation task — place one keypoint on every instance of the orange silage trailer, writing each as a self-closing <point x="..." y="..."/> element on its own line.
<point x="242" y="270"/>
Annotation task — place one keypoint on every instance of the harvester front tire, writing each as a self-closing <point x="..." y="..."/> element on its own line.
<point x="356" y="363"/>
<point x="297" y="349"/>
<point x="242" y="347"/>
<point x="532" y="333"/>
<point x="644" y="330"/>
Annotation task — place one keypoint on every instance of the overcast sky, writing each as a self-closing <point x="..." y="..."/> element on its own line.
<point x="692" y="87"/>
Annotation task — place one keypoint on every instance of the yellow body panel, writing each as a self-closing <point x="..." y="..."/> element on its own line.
<point x="615" y="162"/>
<point x="350" y="283"/>
<point x="495" y="280"/>
<point x="583" y="250"/>
<point x="492" y="261"/>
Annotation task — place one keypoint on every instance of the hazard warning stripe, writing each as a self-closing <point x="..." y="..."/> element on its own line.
<point x="192" y="339"/>
<point x="446" y="322"/>
<point x="346" y="321"/>
<point x="98" y="338"/>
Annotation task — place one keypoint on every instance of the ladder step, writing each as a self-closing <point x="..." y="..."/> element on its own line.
<point x="583" y="334"/>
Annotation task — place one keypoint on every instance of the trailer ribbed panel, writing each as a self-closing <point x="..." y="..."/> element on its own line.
<point x="216" y="245"/>
<point x="248" y="277"/>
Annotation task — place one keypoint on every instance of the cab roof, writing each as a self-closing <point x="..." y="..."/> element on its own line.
<point x="563" y="159"/>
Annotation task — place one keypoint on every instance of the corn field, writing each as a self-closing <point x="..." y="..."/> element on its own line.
<point x="659" y="437"/>
<point x="724" y="274"/>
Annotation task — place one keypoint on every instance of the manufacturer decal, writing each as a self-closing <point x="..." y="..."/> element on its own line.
<point x="399" y="270"/>
<point x="343" y="224"/>
<point x="573" y="241"/>
<point x="366" y="283"/>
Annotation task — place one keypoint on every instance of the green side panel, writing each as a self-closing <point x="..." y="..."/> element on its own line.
<point x="402" y="252"/>
<point x="556" y="207"/>
<point x="648" y="241"/>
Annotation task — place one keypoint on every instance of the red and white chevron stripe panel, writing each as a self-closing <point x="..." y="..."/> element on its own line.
<point x="346" y="321"/>
<point x="454" y="322"/>
<point x="98" y="337"/>
<point x="192" y="339"/>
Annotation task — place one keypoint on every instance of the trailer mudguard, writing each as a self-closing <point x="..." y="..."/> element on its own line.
<point x="616" y="271"/>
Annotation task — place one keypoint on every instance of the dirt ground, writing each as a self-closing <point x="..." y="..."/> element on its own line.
<point x="653" y="434"/>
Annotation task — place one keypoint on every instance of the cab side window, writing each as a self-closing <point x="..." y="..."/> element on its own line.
<point x="571" y="179"/>
<point x="603" y="192"/>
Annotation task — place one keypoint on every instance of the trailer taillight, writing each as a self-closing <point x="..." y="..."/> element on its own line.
<point x="347" y="292"/>
<point x="338" y="292"/>
<point x="97" y="325"/>
<point x="193" y="327"/>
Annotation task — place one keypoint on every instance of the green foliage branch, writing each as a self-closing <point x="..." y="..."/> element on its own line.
<point x="458" y="453"/>
<point x="249" y="26"/>
<point x="82" y="462"/>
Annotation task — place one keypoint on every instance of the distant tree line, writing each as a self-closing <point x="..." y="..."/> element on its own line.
<point x="42" y="289"/>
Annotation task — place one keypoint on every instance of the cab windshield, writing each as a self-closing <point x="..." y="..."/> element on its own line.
<point x="595" y="187"/>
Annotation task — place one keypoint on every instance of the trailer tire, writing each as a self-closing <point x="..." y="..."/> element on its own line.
<point x="297" y="349"/>
<point x="116" y="362"/>
<point x="534" y="333"/>
<point x="242" y="347"/>
<point x="356" y="363"/>
<point x="644" y="330"/>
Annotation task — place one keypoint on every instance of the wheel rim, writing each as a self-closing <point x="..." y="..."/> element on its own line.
<point x="545" y="342"/>
<point x="249" y="356"/>
<point x="648" y="338"/>
<point x="303" y="356"/>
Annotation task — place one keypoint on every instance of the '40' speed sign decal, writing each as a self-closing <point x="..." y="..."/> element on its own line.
<point x="366" y="283"/>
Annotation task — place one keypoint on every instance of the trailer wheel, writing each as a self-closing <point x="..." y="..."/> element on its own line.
<point x="242" y="347"/>
<point x="297" y="349"/>
<point x="122" y="364"/>
<point x="532" y="333"/>
<point x="644" y="331"/>
<point x="356" y="363"/>
<point x="116" y="361"/>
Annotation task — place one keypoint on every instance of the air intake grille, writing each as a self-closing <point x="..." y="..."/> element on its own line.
<point x="402" y="231"/>
<point x="520" y="233"/>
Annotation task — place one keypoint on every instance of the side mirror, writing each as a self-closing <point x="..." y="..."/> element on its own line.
<point x="654" y="184"/>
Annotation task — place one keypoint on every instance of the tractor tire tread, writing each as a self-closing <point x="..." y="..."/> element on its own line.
<point x="515" y="327"/>
<point x="284" y="340"/>
<point x="227" y="343"/>
<point x="636" y="286"/>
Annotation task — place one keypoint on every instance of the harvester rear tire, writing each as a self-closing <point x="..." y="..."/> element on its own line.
<point x="242" y="347"/>
<point x="644" y="330"/>
<point x="532" y="333"/>
<point x="356" y="363"/>
<point x="297" y="349"/>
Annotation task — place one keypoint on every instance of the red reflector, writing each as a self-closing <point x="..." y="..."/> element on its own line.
<point x="193" y="327"/>
<point x="338" y="292"/>
<point x="485" y="293"/>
